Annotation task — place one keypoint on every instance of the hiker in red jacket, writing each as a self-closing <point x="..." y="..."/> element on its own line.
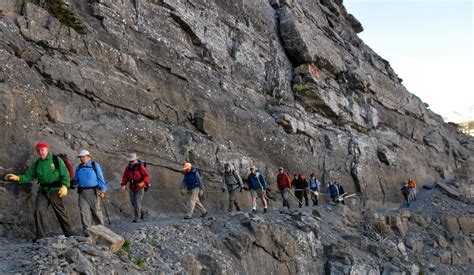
<point x="284" y="186"/>
<point x="137" y="178"/>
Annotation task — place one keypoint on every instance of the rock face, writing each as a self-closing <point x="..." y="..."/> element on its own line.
<point x="270" y="83"/>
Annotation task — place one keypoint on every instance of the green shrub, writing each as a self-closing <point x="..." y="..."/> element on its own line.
<point x="139" y="262"/>
<point x="57" y="9"/>
<point x="126" y="247"/>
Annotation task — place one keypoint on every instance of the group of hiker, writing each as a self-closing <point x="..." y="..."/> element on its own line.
<point x="54" y="176"/>
<point x="409" y="191"/>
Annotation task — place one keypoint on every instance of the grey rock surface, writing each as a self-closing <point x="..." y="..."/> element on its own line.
<point x="266" y="83"/>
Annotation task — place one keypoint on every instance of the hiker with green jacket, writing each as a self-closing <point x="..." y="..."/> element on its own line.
<point x="53" y="182"/>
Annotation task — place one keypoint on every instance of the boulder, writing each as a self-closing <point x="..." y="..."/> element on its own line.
<point x="448" y="190"/>
<point x="466" y="224"/>
<point x="414" y="244"/>
<point x="106" y="237"/>
<point x="451" y="224"/>
<point x="442" y="242"/>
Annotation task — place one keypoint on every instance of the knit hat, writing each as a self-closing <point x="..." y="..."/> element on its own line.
<point x="40" y="145"/>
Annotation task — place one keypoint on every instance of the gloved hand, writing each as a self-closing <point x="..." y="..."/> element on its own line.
<point x="102" y="194"/>
<point x="12" y="177"/>
<point x="223" y="190"/>
<point x="123" y="188"/>
<point x="241" y="189"/>
<point x="183" y="191"/>
<point x="201" y="193"/>
<point x="141" y="184"/>
<point x="62" y="193"/>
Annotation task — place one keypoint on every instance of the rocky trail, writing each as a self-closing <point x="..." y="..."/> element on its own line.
<point x="431" y="236"/>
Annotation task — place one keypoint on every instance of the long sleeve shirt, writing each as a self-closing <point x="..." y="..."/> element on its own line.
<point x="46" y="172"/>
<point x="257" y="181"/>
<point x="135" y="174"/>
<point x="192" y="180"/>
<point x="231" y="180"/>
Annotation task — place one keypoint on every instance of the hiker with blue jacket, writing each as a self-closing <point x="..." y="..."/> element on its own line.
<point x="314" y="186"/>
<point x="54" y="180"/>
<point x="193" y="185"/>
<point x="91" y="187"/>
<point x="232" y="181"/>
<point x="333" y="192"/>
<point x="258" y="187"/>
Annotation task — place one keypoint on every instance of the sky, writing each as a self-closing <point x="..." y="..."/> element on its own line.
<point x="429" y="44"/>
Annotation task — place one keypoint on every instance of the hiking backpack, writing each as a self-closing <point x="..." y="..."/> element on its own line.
<point x="139" y="167"/>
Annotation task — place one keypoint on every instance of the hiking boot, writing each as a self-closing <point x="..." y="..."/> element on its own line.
<point x="135" y="221"/>
<point x="264" y="210"/>
<point x="237" y="208"/>
<point x="254" y="211"/>
<point x="187" y="217"/>
<point x="204" y="214"/>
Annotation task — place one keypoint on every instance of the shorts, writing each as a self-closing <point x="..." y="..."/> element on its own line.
<point x="254" y="193"/>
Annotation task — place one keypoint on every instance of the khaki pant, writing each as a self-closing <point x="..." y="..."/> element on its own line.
<point x="43" y="201"/>
<point x="136" y="200"/>
<point x="89" y="206"/>
<point x="233" y="200"/>
<point x="194" y="202"/>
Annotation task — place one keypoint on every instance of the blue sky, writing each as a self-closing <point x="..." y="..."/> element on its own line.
<point x="429" y="43"/>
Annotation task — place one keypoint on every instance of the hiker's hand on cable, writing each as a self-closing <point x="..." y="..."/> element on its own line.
<point x="183" y="191"/>
<point x="201" y="193"/>
<point x="102" y="194"/>
<point x="223" y="189"/>
<point x="141" y="184"/>
<point x="62" y="193"/>
<point x="241" y="189"/>
<point x="123" y="188"/>
<point x="12" y="177"/>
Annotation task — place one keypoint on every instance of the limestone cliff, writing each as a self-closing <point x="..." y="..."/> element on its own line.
<point x="271" y="83"/>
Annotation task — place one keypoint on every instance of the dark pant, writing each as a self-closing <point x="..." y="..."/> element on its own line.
<point x="43" y="201"/>
<point x="233" y="200"/>
<point x="300" y="195"/>
<point x="407" y="199"/>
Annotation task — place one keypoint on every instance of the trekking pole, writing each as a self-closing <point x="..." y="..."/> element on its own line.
<point x="289" y="191"/>
<point x="106" y="213"/>
<point x="348" y="196"/>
